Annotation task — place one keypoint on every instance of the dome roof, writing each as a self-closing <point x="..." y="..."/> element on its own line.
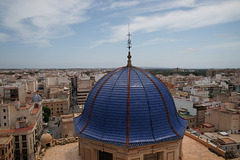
<point x="130" y="107"/>
<point x="36" y="98"/>
<point x="46" y="138"/>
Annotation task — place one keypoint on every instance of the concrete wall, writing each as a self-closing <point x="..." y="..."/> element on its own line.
<point x="183" y="103"/>
<point x="223" y="121"/>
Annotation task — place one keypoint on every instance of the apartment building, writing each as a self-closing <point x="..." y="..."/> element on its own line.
<point x="6" y="147"/>
<point x="57" y="106"/>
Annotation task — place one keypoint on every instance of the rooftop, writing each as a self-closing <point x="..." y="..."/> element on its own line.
<point x="186" y="115"/>
<point x="35" y="110"/>
<point x="52" y="100"/>
<point x="235" y="137"/>
<point x="18" y="130"/>
<point x="191" y="150"/>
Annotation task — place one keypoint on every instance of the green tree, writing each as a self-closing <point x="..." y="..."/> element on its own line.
<point x="46" y="110"/>
<point x="45" y="117"/>
<point x="46" y="113"/>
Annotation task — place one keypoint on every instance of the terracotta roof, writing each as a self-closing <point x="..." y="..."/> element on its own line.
<point x="19" y="130"/>
<point x="208" y="125"/>
<point x="26" y="106"/>
<point x="35" y="110"/>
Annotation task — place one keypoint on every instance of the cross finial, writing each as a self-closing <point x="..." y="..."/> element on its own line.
<point x="129" y="47"/>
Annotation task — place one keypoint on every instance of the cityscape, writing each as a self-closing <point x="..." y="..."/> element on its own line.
<point x="120" y="80"/>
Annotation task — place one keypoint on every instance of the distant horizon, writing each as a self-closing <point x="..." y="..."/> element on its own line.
<point x="115" y="68"/>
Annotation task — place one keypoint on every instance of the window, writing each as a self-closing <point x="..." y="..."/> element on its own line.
<point x="24" y="137"/>
<point x="52" y="112"/>
<point x="16" y="138"/>
<point x="4" y="110"/>
<point x="5" y="124"/>
<point x="17" y="152"/>
<point x="61" y="107"/>
<point x="105" y="156"/>
<point x="2" y="151"/>
<point x="57" y="104"/>
<point x="154" y="156"/>
<point x="24" y="151"/>
<point x="16" y="145"/>
<point x="57" y="108"/>
<point x="52" y="109"/>
<point x="25" y="158"/>
<point x="24" y="144"/>
<point x="5" y="117"/>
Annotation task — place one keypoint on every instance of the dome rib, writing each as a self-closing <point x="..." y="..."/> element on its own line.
<point x="147" y="102"/>
<point x="96" y="97"/>
<point x="163" y="101"/>
<point x="180" y="120"/>
<point x="128" y="100"/>
<point x="108" y="103"/>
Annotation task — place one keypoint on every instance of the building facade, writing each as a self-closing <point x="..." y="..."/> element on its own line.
<point x="6" y="147"/>
<point x="57" y="106"/>
<point x="25" y="124"/>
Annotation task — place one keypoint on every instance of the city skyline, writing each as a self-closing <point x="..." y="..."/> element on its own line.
<point x="92" y="34"/>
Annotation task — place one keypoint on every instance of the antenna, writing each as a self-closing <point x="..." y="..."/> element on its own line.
<point x="129" y="40"/>
<point x="129" y="47"/>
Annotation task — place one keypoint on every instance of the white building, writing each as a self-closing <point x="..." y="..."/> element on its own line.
<point x="182" y="103"/>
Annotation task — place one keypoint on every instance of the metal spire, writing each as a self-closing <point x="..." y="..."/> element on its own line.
<point x="129" y="64"/>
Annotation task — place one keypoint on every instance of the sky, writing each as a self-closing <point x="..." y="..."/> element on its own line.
<point x="93" y="33"/>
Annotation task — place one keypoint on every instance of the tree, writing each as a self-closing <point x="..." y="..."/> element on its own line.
<point x="46" y="110"/>
<point x="45" y="117"/>
<point x="46" y="113"/>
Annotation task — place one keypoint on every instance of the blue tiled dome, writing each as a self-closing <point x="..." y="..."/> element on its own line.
<point x="36" y="98"/>
<point x="130" y="107"/>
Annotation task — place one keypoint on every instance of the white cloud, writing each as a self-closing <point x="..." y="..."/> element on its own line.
<point x="227" y="35"/>
<point x="228" y="45"/>
<point x="155" y="41"/>
<point x="4" y="37"/>
<point x="189" y="50"/>
<point x="121" y="4"/>
<point x="181" y="19"/>
<point x="164" y="5"/>
<point x="37" y="22"/>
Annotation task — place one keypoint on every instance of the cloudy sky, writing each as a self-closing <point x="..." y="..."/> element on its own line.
<point x="92" y="33"/>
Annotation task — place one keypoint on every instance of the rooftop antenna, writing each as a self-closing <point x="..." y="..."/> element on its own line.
<point x="129" y="64"/>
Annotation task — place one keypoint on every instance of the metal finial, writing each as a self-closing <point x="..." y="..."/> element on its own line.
<point x="129" y="47"/>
